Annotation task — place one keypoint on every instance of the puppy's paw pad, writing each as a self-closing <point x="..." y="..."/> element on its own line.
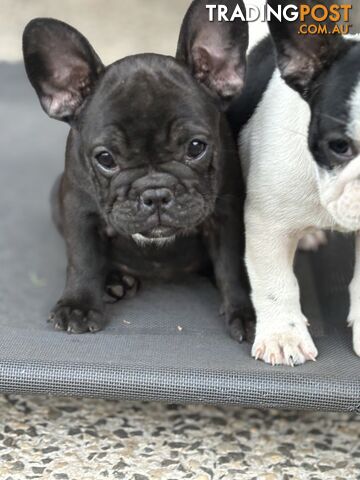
<point x="313" y="241"/>
<point x="286" y="348"/>
<point x="76" y="320"/>
<point x="120" y="286"/>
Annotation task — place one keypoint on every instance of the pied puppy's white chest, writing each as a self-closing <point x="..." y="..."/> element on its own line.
<point x="281" y="175"/>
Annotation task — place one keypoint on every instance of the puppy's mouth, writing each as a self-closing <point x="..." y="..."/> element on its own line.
<point x="156" y="236"/>
<point x="340" y="194"/>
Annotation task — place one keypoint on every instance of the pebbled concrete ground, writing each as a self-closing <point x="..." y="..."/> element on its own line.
<point x="70" y="439"/>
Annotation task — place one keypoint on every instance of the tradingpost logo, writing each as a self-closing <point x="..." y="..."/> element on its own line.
<point x="314" y="19"/>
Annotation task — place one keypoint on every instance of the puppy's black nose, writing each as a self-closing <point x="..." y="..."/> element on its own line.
<point x="157" y="198"/>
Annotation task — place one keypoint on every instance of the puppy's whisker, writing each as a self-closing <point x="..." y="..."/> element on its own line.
<point x="330" y="117"/>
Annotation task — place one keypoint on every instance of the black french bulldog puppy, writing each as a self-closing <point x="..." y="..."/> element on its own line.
<point x="151" y="181"/>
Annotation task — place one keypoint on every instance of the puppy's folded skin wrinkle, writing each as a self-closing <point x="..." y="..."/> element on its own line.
<point x="152" y="186"/>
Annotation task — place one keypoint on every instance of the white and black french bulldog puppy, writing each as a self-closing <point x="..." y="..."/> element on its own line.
<point x="299" y="117"/>
<point x="150" y="187"/>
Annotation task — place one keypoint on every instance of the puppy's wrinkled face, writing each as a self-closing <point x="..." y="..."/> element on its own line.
<point x="151" y="136"/>
<point x="334" y="134"/>
<point x="334" y="137"/>
<point x="325" y="71"/>
<point x="147" y="129"/>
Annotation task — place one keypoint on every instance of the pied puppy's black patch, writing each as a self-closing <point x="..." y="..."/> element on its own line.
<point x="330" y="101"/>
<point x="261" y="66"/>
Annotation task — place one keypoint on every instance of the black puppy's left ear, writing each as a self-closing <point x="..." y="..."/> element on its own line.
<point x="302" y="57"/>
<point x="215" y="51"/>
<point x="61" y="65"/>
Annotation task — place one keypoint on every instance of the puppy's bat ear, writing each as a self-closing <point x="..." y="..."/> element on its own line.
<point x="61" y="66"/>
<point x="215" y="52"/>
<point x="302" y="57"/>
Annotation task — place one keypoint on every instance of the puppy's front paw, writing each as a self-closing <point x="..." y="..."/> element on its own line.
<point x="75" y="318"/>
<point x="291" y="346"/>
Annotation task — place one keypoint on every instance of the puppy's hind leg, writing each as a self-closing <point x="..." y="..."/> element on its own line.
<point x="120" y="286"/>
<point x="282" y="336"/>
<point x="312" y="242"/>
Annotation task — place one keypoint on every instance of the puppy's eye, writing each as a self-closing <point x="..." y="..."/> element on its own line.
<point x="106" y="161"/>
<point x="196" y="149"/>
<point x="342" y="148"/>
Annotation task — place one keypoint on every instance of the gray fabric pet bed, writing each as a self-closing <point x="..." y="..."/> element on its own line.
<point x="168" y="343"/>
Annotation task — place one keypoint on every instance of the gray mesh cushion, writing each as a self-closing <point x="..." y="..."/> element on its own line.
<point x="169" y="342"/>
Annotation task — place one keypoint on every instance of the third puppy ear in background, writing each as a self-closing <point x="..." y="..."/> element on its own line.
<point x="302" y="58"/>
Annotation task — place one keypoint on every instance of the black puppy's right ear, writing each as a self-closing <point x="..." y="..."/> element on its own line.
<point x="301" y="57"/>
<point x="61" y="65"/>
<point x="215" y="51"/>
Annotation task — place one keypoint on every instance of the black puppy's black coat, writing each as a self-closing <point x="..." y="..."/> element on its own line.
<point x="152" y="181"/>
